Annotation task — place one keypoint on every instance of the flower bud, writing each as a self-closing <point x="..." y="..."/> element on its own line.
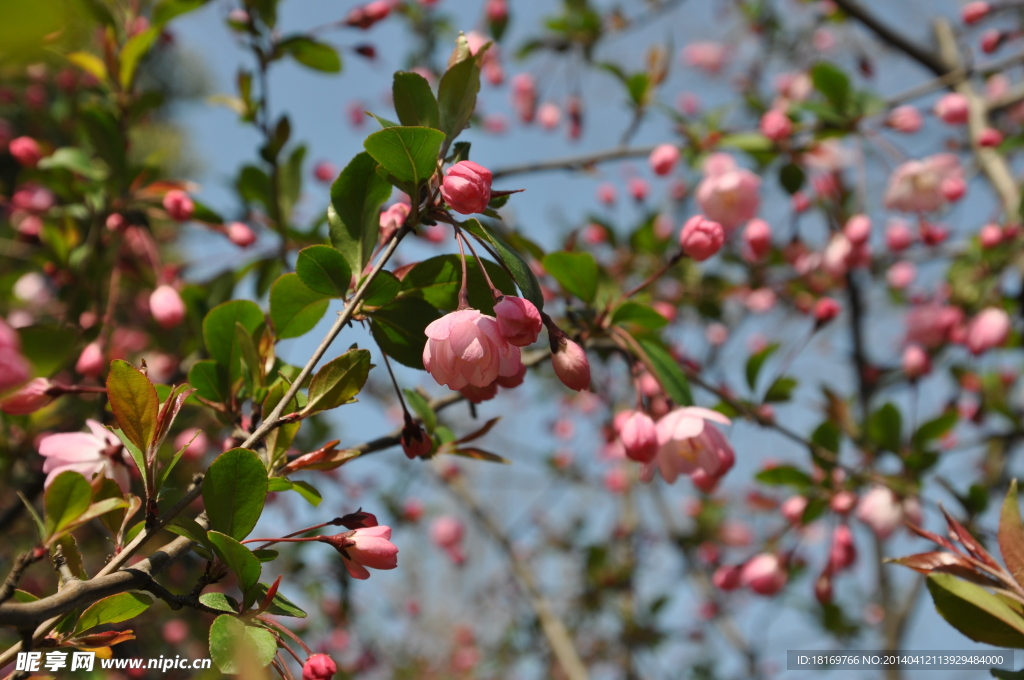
<point x="793" y="509"/>
<point x="166" y="306"/>
<point x="973" y="12"/>
<point x="319" y="667"/>
<point x="701" y="238"/>
<point x="953" y="109"/>
<point x="179" y="205"/>
<point x="906" y="119"/>
<point x="638" y="436"/>
<point x="990" y="137"/>
<point x="800" y="202"/>
<point x="823" y="588"/>
<point x="843" y="502"/>
<point x="857" y="229"/>
<point x="518" y="320"/>
<point x="194" y="441"/>
<point x="843" y="552"/>
<point x="467" y="187"/>
<point x="663" y="159"/>
<point x="990" y="236"/>
<point x="757" y="236"/>
<point x="776" y="125"/>
<point x="825" y="310"/>
<point x="764" y="574"/>
<point x="325" y="172"/>
<point x="606" y="193"/>
<point x="987" y="330"/>
<point x="26" y="151"/>
<point x="90" y="362"/>
<point x="241" y="235"/>
<point x="571" y="365"/>
<point x="727" y="577"/>
<point x="497" y="11"/>
<point x="33" y="396"/>
<point x="991" y="40"/>
<point x="548" y="115"/>
<point x="638" y="189"/>
<point x="416" y="443"/>
<point x="116" y="222"/>
<point x="898" y="236"/>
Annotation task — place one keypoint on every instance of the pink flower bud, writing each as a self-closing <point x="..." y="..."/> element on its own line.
<point x="194" y="441"/>
<point x="116" y="222"/>
<point x="548" y="115"/>
<point x="843" y="552"/>
<point x="906" y="119"/>
<point x="638" y="436"/>
<point x="638" y="189"/>
<point x="953" y="109"/>
<point x="467" y="187"/>
<point x="29" y="399"/>
<point x="987" y="330"/>
<point x="776" y="125"/>
<point x="764" y="574"/>
<point x="800" y="202"/>
<point x="166" y="306"/>
<point x="857" y="229"/>
<point x="793" y="509"/>
<point x="825" y="309"/>
<point x="990" y="236"/>
<point x="991" y="40"/>
<point x="325" y="172"/>
<point x="990" y="137"/>
<point x="843" y="502"/>
<point x="518" y="320"/>
<point x="953" y="188"/>
<point x="901" y="274"/>
<point x="757" y="236"/>
<point x="571" y="365"/>
<point x="26" y="151"/>
<point x="701" y="238"/>
<point x="823" y="588"/>
<point x="175" y="631"/>
<point x="179" y="205"/>
<point x="497" y="11"/>
<point x="898" y="236"/>
<point x="319" y="667"/>
<point x="524" y="96"/>
<point x="90" y="362"/>
<point x="973" y="12"/>
<point x="606" y="193"/>
<point x="663" y="159"/>
<point x="241" y="235"/>
<point x="447" y="532"/>
<point x="416" y="443"/>
<point x="727" y="577"/>
<point x="916" y="362"/>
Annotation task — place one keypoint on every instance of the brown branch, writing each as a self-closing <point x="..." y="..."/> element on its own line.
<point x="574" y="162"/>
<point x="21" y="563"/>
<point x="923" y="56"/>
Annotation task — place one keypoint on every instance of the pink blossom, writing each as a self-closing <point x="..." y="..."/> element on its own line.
<point x="571" y="365"/>
<point x="325" y="171"/>
<point x="91" y="362"/>
<point x="990" y="236"/>
<point x="843" y="553"/>
<point x="606" y="193"/>
<point x="764" y="574"/>
<point x="524" y="96"/>
<point x="88" y="453"/>
<point x="898" y="236"/>
<point x="32" y="396"/>
<point x="916" y="362"/>
<point x="32" y="198"/>
<point x="761" y="300"/>
<point x="319" y="667"/>
<point x="728" y="194"/>
<point x="688" y="442"/>
<point x="663" y="159"/>
<point x="973" y="12"/>
<point x="392" y="219"/>
<point x="478" y="395"/>
<point x="638" y="188"/>
<point x="793" y="509"/>
<point x="776" y="125"/>
<point x="466" y="348"/>
<point x="179" y="205"/>
<point x="512" y="381"/>
<point x="953" y="108"/>
<point x="990" y="137"/>
<point x="194" y="441"/>
<point x="26" y="151"/>
<point x="800" y="202"/>
<point x="857" y="229"/>
<point x="174" y="632"/>
<point x="793" y="87"/>
<point x="716" y="334"/>
<point x="14" y="369"/>
<point x="705" y="55"/>
<point x="991" y="39"/>
<point x="518" y="320"/>
<point x="843" y="502"/>
<point x="637" y="433"/>
<point x="931" y="324"/>
<point x="367" y="15"/>
<point x="467" y="187"/>
<point x="823" y="40"/>
<point x="906" y="119"/>
<point x="901" y="274"/>
<point x="240" y="234"/>
<point x="616" y="480"/>
<point x="688" y="103"/>
<point x="447" y="533"/>
<point x="989" y="329"/>
<point x="881" y="510"/>
<point x="549" y="115"/>
<point x="825" y="309"/>
<point x="917" y="186"/>
<point x="116" y="222"/>
<point x="166" y="306"/>
<point x="497" y="11"/>
<point x="701" y="238"/>
<point x="366" y="546"/>
<point x="727" y="577"/>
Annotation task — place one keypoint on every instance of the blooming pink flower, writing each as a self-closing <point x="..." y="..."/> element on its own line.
<point x="240" y="234"/>
<point x="987" y="330"/>
<point x="881" y="510"/>
<point x="319" y="667"/>
<point x="366" y="546"/>
<point x="973" y="12"/>
<point x="776" y="125"/>
<point x="701" y="238"/>
<point x="518" y="320"/>
<point x="447" y="533"/>
<point x="906" y="119"/>
<point x="32" y="396"/>
<point x="688" y="442"/>
<point x="467" y="187"/>
<point x="990" y="137"/>
<point x="166" y="306"/>
<point x="637" y="433"/>
<point x="26" y="151"/>
<point x="705" y="55"/>
<point x="194" y="441"/>
<point x="88" y="453"/>
<point x="571" y="365"/>
<point x="917" y="186"/>
<point x="116" y="222"/>
<point x="953" y="108"/>
<point x="916" y="362"/>
<point x="931" y="325"/>
<point x="764" y="574"/>
<point x="728" y="194"/>
<point x="663" y="159"/>
<point x="467" y="348"/>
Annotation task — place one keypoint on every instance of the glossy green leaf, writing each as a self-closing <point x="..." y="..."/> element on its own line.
<point x="134" y="402"/>
<point x="634" y="313"/>
<point x="312" y="53"/>
<point x="399" y="329"/>
<point x="238" y="558"/>
<point x="113" y="609"/>
<point x="382" y="290"/>
<point x="422" y="408"/>
<point x="756" y="362"/>
<point x="209" y="378"/>
<point x="219" y="332"/>
<point x="67" y="498"/>
<point x="235" y="646"/>
<point x="976" y="612"/>
<point x="354" y="214"/>
<point x="456" y="97"/>
<point x="935" y="428"/>
<point x="408" y="153"/>
<point x="324" y="270"/>
<point x="885" y="427"/>
<point x="295" y="309"/>
<point x="438" y="279"/>
<point x="133" y="51"/>
<point x="165" y="10"/>
<point x="280" y="605"/>
<point x="414" y="102"/>
<point x="781" y="389"/>
<point x="234" y="490"/>
<point x="516" y="263"/>
<point x="77" y="161"/>
<point x="224" y="603"/>
<point x="832" y="81"/>
<point x="577" y="273"/>
<point x="785" y="475"/>
<point x="666" y="370"/>
<point x="338" y="381"/>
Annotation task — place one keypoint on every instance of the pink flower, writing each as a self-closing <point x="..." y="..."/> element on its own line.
<point x="901" y="274"/>
<point x="857" y="229"/>
<point x="881" y="510"/>
<point x="26" y="151"/>
<point x="906" y="119"/>
<point x="518" y="320"/>
<point x="14" y="369"/>
<point x="764" y="574"/>
<point x="793" y="509"/>
<point x="116" y="222"/>
<point x="325" y="171"/>
<point x="367" y="546"/>
<point x="467" y="348"/>
<point x="991" y="39"/>
<point x="319" y="667"/>
<point x="916" y="362"/>
<point x="524" y="96"/>
<point x="174" y="632"/>
<point x="843" y="552"/>
<point x="90" y="362"/>
<point x="688" y="442"/>
<point x="241" y="235"/>
<point x="32" y="198"/>
<point x="825" y="310"/>
<point x="701" y="238"/>
<point x="478" y="395"/>
<point x="990" y="236"/>
<point x="497" y="11"/>
<point x="973" y="12"/>
<point x="511" y="381"/>
<point x="416" y="443"/>
<point x="571" y="365"/>
<point x="800" y="202"/>
<point x="467" y="187"/>
<point x="931" y="325"/>
<point x="392" y="219"/>
<point x="776" y="125"/>
<point x="843" y="502"/>
<point x="606" y="193"/>
<point x="727" y="577"/>
<point x="761" y="300"/>
<point x="990" y="137"/>
<point x="728" y="194"/>
<point x="367" y="15"/>
<point x="166" y="306"/>
<point x="33" y="396"/>
<point x="637" y="433"/>
<point x="616" y="480"/>
<point x="179" y="205"/>
<point x="447" y="533"/>
<point x="705" y="55"/>
<point x="194" y="441"/>
<point x="917" y="186"/>
<point x="898" y="236"/>
<point x="987" y="330"/>
<point x="953" y="108"/>
<point x="88" y="453"/>
<point x="663" y="159"/>
<point x="549" y="115"/>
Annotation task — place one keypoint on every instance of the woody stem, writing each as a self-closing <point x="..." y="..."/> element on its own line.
<point x="494" y="290"/>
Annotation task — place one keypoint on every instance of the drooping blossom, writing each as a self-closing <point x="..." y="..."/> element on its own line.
<point x="571" y="365"/>
<point x="88" y="453"/>
<point x="728" y="194"/>
<point x="319" y="667"/>
<point x="325" y="171"/>
<point x="518" y="320"/>
<point x="701" y="238"/>
<point x="917" y="186"/>
<point x="727" y="577"/>
<point x="638" y="435"/>
<point x="466" y="348"/>
<point x="898" y="236"/>
<point x="687" y="443"/>
<point x="524" y="96"/>
<point x="365" y="546"/>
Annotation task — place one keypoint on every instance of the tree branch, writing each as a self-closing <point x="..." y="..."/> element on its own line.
<point x="575" y="162"/>
<point x="923" y="56"/>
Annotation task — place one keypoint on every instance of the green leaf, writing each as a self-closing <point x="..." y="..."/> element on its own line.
<point x="438" y="279"/>
<point x="238" y="558"/>
<point x="408" y="153"/>
<point x="785" y="475"/>
<point x="421" y="407"/>
<point x="382" y="290"/>
<point x="831" y="81"/>
<point x="667" y="371"/>
<point x="295" y="309"/>
<point x="134" y="402"/>
<point x="399" y="329"/>
<point x="190" y="529"/>
<point x="113" y="609"/>
<point x="1011" y="534"/>
<point x="224" y="603"/>
<point x="133" y="451"/>
<point x="781" y="389"/>
<point x="219" y="333"/>
<point x="792" y="177"/>
<point x="630" y="312"/>
<point x="307" y="491"/>
<point x="165" y="10"/>
<point x="133" y="52"/>
<point x="414" y="102"/>
<point x="48" y="348"/>
<point x="235" y="646"/>
<point x="756" y="361"/>
<point x="251" y="366"/>
<point x="209" y="378"/>
<point x="234" y="490"/>
<point x="338" y="381"/>
<point x="77" y="161"/>
<point x="935" y="428"/>
<point x="885" y="426"/>
<point x="324" y="270"/>
<point x="67" y="497"/>
<point x="456" y="97"/>
<point x="280" y="605"/>
<point x="312" y="53"/>
<point x="576" y="272"/>
<point x="751" y="142"/>
<point x="975" y="612"/>
<point x="354" y="213"/>
<point x="517" y="265"/>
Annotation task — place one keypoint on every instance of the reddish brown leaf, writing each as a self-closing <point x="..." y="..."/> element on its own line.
<point x="478" y="433"/>
<point x="947" y="563"/>
<point x="960" y="532"/>
<point x="935" y="538"/>
<point x="325" y="458"/>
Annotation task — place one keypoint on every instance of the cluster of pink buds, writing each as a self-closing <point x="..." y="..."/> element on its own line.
<point x="764" y="574"/>
<point x="369" y="14"/>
